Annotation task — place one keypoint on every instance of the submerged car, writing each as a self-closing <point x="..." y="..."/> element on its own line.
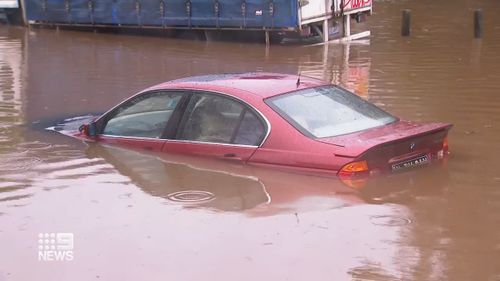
<point x="270" y="119"/>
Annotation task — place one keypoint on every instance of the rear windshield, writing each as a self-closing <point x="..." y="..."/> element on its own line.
<point x="328" y="111"/>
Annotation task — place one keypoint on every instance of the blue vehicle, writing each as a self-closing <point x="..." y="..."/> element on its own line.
<point x="301" y="17"/>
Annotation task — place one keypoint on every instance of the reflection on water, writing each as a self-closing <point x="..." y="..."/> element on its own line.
<point x="223" y="186"/>
<point x="339" y="64"/>
<point x="142" y="216"/>
<point x="187" y="183"/>
<point x="12" y="190"/>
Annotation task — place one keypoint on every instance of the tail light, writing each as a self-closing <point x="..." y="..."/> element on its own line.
<point x="444" y="150"/>
<point x="349" y="171"/>
<point x="445" y="144"/>
<point x="353" y="168"/>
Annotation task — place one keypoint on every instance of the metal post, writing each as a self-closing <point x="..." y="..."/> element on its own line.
<point x="325" y="30"/>
<point x="478" y="23"/>
<point x="267" y="38"/>
<point x="406" y="23"/>
<point x="23" y="8"/>
<point x="347" y="26"/>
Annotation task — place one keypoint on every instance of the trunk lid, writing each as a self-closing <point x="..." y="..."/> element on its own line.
<point x="392" y="143"/>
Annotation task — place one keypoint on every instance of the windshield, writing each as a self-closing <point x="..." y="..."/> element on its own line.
<point x="328" y="111"/>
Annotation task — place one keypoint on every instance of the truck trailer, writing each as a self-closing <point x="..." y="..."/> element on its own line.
<point x="293" y="17"/>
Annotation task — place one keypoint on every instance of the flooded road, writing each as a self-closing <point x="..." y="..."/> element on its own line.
<point x="140" y="216"/>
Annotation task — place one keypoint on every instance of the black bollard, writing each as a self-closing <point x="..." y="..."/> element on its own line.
<point x="406" y="23"/>
<point x="478" y="23"/>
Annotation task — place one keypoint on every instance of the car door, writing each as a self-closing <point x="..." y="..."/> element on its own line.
<point x="142" y="121"/>
<point x="218" y="125"/>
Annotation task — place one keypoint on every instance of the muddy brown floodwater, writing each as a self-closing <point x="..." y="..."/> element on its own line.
<point x="138" y="216"/>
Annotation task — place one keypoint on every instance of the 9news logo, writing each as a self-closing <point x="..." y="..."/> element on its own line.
<point x="55" y="246"/>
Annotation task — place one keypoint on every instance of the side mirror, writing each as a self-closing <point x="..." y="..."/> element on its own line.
<point x="90" y="130"/>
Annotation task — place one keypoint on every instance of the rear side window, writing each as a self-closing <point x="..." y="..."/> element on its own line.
<point x="328" y="111"/>
<point x="218" y="119"/>
<point x="251" y="130"/>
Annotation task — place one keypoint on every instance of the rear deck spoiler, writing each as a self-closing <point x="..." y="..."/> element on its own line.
<point x="354" y="145"/>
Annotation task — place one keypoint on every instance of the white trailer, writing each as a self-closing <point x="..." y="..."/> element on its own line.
<point x="9" y="4"/>
<point x="333" y="17"/>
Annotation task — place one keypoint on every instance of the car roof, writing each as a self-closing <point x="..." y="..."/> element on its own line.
<point x="263" y="84"/>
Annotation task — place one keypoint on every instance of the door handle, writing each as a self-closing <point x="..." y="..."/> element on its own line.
<point x="232" y="157"/>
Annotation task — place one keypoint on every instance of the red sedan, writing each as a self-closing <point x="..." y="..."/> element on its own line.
<point x="270" y="119"/>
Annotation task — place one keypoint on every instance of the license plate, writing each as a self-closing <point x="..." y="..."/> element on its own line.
<point x="419" y="161"/>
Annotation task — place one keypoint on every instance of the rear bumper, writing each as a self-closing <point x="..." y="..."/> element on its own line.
<point x="433" y="176"/>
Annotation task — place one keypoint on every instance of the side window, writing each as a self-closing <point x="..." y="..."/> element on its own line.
<point x="210" y="118"/>
<point x="213" y="118"/>
<point x="144" y="116"/>
<point x="251" y="130"/>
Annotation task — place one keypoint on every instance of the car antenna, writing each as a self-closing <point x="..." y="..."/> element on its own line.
<point x="298" y="81"/>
